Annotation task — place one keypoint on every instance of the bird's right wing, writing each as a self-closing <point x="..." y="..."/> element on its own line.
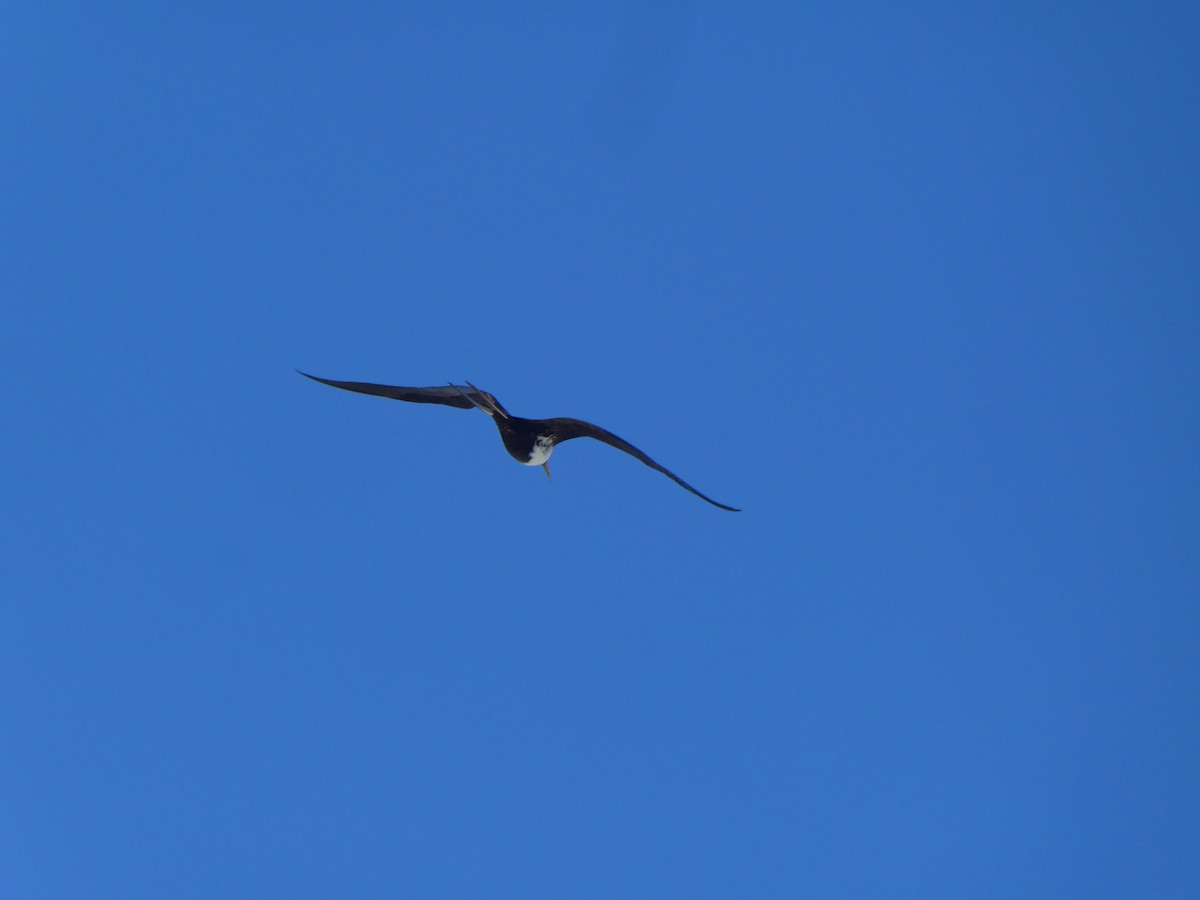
<point x="458" y="395"/>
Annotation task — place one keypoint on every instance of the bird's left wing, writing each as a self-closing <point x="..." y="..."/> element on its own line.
<point x="566" y="429"/>
<point x="447" y="395"/>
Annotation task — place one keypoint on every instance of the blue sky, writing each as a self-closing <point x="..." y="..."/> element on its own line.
<point x="916" y="287"/>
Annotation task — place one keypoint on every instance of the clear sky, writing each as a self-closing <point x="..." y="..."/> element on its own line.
<point x="917" y="285"/>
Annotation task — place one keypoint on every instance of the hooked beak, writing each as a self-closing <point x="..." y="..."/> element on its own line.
<point x="488" y="408"/>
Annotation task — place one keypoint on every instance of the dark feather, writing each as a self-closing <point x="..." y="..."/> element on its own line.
<point x="447" y="395"/>
<point x="567" y="429"/>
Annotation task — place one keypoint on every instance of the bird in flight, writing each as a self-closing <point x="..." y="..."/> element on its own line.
<point x="529" y="441"/>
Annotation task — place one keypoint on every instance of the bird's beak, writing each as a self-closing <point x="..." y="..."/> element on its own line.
<point x="489" y="409"/>
<point x="546" y="466"/>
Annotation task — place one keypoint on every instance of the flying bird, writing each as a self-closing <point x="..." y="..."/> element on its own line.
<point x="528" y="441"/>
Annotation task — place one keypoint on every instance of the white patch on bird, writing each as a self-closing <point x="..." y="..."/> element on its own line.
<point x="542" y="448"/>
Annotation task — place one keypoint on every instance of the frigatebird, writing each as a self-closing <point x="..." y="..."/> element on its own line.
<point x="528" y="441"/>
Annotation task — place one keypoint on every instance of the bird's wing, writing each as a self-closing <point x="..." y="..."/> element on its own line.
<point x="458" y="395"/>
<point x="566" y="429"/>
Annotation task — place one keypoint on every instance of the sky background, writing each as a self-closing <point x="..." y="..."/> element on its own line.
<point x="916" y="285"/>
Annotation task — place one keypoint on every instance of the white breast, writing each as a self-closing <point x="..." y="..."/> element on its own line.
<point x="542" y="448"/>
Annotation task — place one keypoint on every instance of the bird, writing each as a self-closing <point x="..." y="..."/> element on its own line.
<point x="528" y="441"/>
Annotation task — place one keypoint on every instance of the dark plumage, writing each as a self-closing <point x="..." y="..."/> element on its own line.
<point x="529" y="441"/>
